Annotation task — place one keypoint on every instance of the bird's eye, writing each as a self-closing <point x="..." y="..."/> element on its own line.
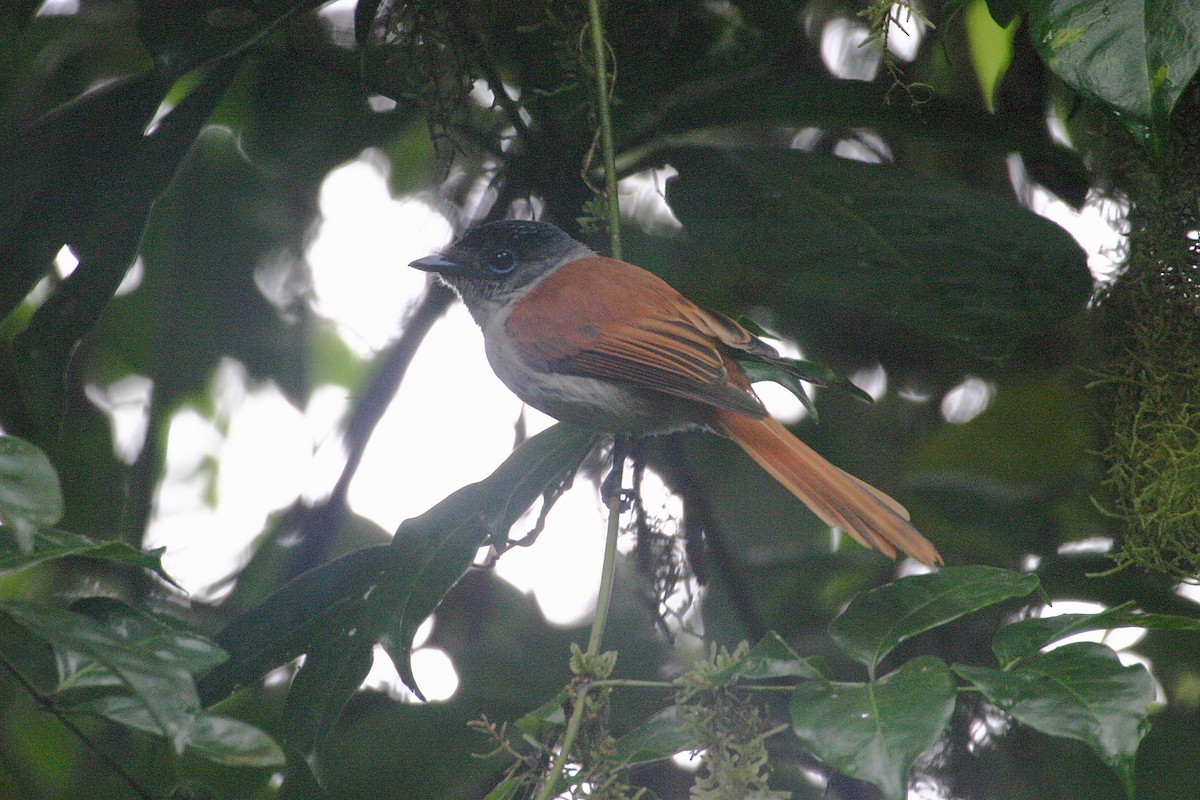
<point x="501" y="262"/>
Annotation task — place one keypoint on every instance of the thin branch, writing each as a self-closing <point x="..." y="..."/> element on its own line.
<point x="612" y="485"/>
<point x="608" y="149"/>
<point x="49" y="705"/>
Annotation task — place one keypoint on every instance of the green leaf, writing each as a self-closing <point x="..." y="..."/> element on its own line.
<point x="661" y="736"/>
<point x="878" y="620"/>
<point x="505" y="790"/>
<point x="58" y="168"/>
<point x="757" y="371"/>
<point x="167" y="638"/>
<point x="334" y="668"/>
<point x="281" y="628"/>
<point x="50" y="544"/>
<point x="789" y="372"/>
<point x="875" y="731"/>
<point x="1079" y="691"/>
<point x="1133" y="56"/>
<point x="770" y="658"/>
<point x="432" y="551"/>
<point x="337" y="613"/>
<point x="222" y="740"/>
<point x="1021" y="639"/>
<point x="801" y="99"/>
<point x="30" y="494"/>
<point x="991" y="47"/>
<point x="163" y="684"/>
<point x="933" y="255"/>
<point x="548" y="714"/>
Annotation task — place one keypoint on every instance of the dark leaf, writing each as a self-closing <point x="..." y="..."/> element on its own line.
<point x="30" y="495"/>
<point x="384" y="593"/>
<point x="365" y="12"/>
<point x="221" y="740"/>
<point x="337" y="661"/>
<point x="875" y="731"/>
<point x="548" y="714"/>
<point x="431" y="552"/>
<point x="935" y="256"/>
<point x="1003" y="11"/>
<point x="1026" y="637"/>
<point x="162" y="684"/>
<point x="878" y="620"/>
<point x="505" y="790"/>
<point x="105" y="218"/>
<point x="183" y="37"/>
<point x="281" y="628"/>
<point x="1135" y="57"/>
<point x="770" y="658"/>
<point x="661" y="736"/>
<point x="169" y="639"/>
<point x="51" y="543"/>
<point x="1080" y="691"/>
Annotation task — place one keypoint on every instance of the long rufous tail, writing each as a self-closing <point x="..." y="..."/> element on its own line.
<point x="837" y="497"/>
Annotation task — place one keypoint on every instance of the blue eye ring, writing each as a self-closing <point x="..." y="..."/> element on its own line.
<point x="501" y="262"/>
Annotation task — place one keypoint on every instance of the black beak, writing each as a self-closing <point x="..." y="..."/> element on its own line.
<point x="439" y="264"/>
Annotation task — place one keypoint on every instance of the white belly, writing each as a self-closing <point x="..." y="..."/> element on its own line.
<point x="587" y="402"/>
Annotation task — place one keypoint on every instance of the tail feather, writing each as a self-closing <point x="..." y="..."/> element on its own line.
<point x="838" y="498"/>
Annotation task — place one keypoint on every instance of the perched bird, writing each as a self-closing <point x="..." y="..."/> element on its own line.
<point x="604" y="344"/>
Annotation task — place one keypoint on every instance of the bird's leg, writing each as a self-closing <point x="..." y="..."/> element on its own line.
<point x="611" y="487"/>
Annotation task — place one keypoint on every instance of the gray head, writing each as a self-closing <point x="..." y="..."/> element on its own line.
<point x="493" y="263"/>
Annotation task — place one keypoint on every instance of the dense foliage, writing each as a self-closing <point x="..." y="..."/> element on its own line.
<point x="869" y="203"/>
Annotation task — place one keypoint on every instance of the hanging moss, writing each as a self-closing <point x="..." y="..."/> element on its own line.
<point x="1154" y="451"/>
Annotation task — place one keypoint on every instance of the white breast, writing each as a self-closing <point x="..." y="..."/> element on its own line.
<point x="587" y="402"/>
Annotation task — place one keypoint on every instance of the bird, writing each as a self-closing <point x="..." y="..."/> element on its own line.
<point x="604" y="344"/>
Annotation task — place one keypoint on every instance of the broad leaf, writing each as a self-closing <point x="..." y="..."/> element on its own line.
<point x="187" y="36"/>
<point x="770" y="658"/>
<point x="281" y="628"/>
<point x="163" y="685"/>
<point x="549" y="714"/>
<point x="50" y="543"/>
<point x="1080" y="691"/>
<point x="30" y="495"/>
<point x="991" y="48"/>
<point x="221" y="740"/>
<point x="109" y="169"/>
<point x="661" y="736"/>
<point x="336" y="665"/>
<point x="432" y="551"/>
<point x="166" y="638"/>
<point x="878" y="620"/>
<point x="1133" y="56"/>
<point x="875" y="731"/>
<point x="506" y="789"/>
<point x="337" y="613"/>
<point x="1021" y="639"/>
<point x="933" y="255"/>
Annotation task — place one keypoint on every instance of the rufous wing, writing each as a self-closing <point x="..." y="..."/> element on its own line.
<point x="602" y="318"/>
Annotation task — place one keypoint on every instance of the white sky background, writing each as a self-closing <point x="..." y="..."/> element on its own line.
<point x="452" y="421"/>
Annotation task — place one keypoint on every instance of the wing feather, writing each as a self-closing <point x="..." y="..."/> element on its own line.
<point x="663" y="341"/>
